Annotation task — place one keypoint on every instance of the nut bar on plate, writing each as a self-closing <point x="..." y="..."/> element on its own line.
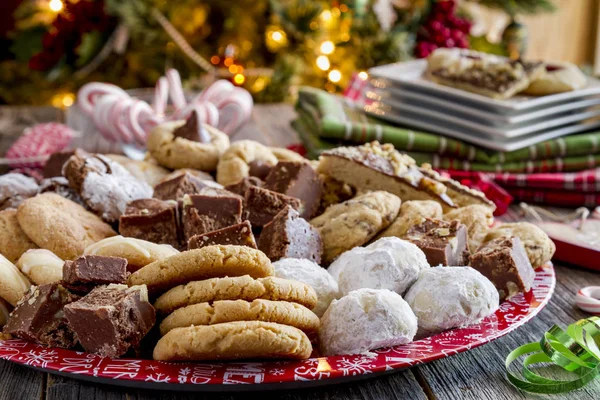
<point x="86" y="272"/>
<point x="39" y="317"/>
<point x="485" y="74"/>
<point x="299" y="180"/>
<point x="238" y="235"/>
<point x="112" y="319"/>
<point x="444" y="243"/>
<point x="262" y="205"/>
<point x="504" y="262"/>
<point x="373" y="166"/>
<point x="152" y="220"/>
<point x="209" y="211"/>
<point x="290" y="236"/>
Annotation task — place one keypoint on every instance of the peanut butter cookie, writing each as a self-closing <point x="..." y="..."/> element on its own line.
<point x="242" y="159"/>
<point x="13" y="241"/>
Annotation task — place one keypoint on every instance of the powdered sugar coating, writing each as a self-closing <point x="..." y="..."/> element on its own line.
<point x="389" y="263"/>
<point x="366" y="319"/>
<point x="109" y="193"/>
<point x="451" y="297"/>
<point x="312" y="274"/>
<point x="16" y="188"/>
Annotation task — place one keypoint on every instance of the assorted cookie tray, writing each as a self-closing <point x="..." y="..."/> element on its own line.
<point x="211" y="264"/>
<point x="479" y="97"/>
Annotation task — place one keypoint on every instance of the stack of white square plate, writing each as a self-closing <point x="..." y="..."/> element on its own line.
<point x="401" y="94"/>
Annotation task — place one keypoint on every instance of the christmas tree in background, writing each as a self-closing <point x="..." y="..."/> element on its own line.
<point x="267" y="46"/>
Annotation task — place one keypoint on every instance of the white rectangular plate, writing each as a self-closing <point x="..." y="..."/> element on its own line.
<point x="410" y="75"/>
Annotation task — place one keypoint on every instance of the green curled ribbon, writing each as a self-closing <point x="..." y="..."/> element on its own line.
<point x="576" y="351"/>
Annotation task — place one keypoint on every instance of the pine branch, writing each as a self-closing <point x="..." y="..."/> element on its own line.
<point x="515" y="7"/>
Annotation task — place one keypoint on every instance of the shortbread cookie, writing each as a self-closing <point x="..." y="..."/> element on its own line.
<point x="60" y="225"/>
<point x="105" y="186"/>
<point x="41" y="266"/>
<point x="237" y="288"/>
<point x="366" y="319"/>
<point x="283" y="154"/>
<point x="143" y="170"/>
<point x="354" y="222"/>
<point x="5" y="310"/>
<point x="559" y="77"/>
<point x="176" y="152"/>
<point x="381" y="167"/>
<point x="539" y="247"/>
<point x="281" y="312"/>
<point x="412" y="213"/>
<point x="477" y="219"/>
<point x="451" y="297"/>
<point x="13" y="241"/>
<point x="15" y="188"/>
<point x="242" y="159"/>
<point x="318" y="278"/>
<point x="206" y="262"/>
<point x="13" y="284"/>
<point x="137" y="252"/>
<point x="482" y="73"/>
<point x="233" y="340"/>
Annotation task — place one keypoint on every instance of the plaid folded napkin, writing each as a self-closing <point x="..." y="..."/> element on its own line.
<point x="337" y="119"/>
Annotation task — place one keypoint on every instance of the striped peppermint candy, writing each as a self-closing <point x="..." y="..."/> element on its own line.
<point x="588" y="299"/>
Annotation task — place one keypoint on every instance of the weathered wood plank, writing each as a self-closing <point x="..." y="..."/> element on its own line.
<point x="19" y="382"/>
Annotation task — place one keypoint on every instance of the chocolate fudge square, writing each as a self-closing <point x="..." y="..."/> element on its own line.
<point x="112" y="319"/>
<point x="86" y="272"/>
<point x="262" y="205"/>
<point x="209" y="211"/>
<point x="243" y="185"/>
<point x="290" y="236"/>
<point x="444" y="243"/>
<point x="299" y="180"/>
<point x="152" y="220"/>
<point x="504" y="262"/>
<point x="239" y="235"/>
<point x="39" y="317"/>
<point x="177" y="187"/>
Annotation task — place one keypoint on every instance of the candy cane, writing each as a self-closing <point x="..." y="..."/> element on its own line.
<point x="234" y="110"/>
<point x="217" y="92"/>
<point x="161" y="96"/>
<point x="588" y="299"/>
<point x="90" y="93"/>
<point x="176" y="89"/>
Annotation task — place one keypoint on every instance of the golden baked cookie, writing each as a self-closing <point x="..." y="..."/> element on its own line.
<point x="149" y="172"/>
<point x="177" y="152"/>
<point x="5" y="310"/>
<point x="137" y="252"/>
<point x="41" y="266"/>
<point x="236" y="162"/>
<point x="281" y="312"/>
<point x="478" y="220"/>
<point x="354" y="222"/>
<point x="206" y="262"/>
<point x="559" y="77"/>
<point x="412" y="213"/>
<point x="539" y="247"/>
<point x="60" y="225"/>
<point x="236" y="288"/>
<point x="13" y="241"/>
<point x="13" y="284"/>
<point x="232" y="341"/>
<point x="283" y="154"/>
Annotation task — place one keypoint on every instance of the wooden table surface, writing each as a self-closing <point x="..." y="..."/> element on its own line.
<point x="477" y="374"/>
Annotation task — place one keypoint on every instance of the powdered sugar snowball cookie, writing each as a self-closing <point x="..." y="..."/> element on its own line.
<point x="105" y="186"/>
<point x="16" y="188"/>
<point x="366" y="319"/>
<point x="312" y="274"/>
<point x="41" y="266"/>
<point x="451" y="297"/>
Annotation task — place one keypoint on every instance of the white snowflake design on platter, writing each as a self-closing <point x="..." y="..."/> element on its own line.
<point x="39" y="358"/>
<point x="158" y="377"/>
<point x="151" y="367"/>
<point x="356" y="366"/>
<point x="277" y="371"/>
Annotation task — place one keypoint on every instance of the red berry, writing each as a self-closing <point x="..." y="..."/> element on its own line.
<point x="463" y="43"/>
<point x="449" y="43"/>
<point x="457" y="34"/>
<point x="435" y="26"/>
<point x="445" y="32"/>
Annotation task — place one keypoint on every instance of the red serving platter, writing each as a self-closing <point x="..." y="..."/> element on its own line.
<point x="261" y="375"/>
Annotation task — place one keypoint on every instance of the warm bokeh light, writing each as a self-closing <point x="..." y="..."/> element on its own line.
<point x="63" y="100"/>
<point x="239" y="79"/>
<point x="323" y="63"/>
<point x="327" y="47"/>
<point x="343" y="8"/>
<point x="215" y="60"/>
<point x="228" y="62"/>
<point x="335" y="75"/>
<point x="326" y="15"/>
<point x="233" y="69"/>
<point x="55" y="5"/>
<point x="277" y="36"/>
<point x="363" y="75"/>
